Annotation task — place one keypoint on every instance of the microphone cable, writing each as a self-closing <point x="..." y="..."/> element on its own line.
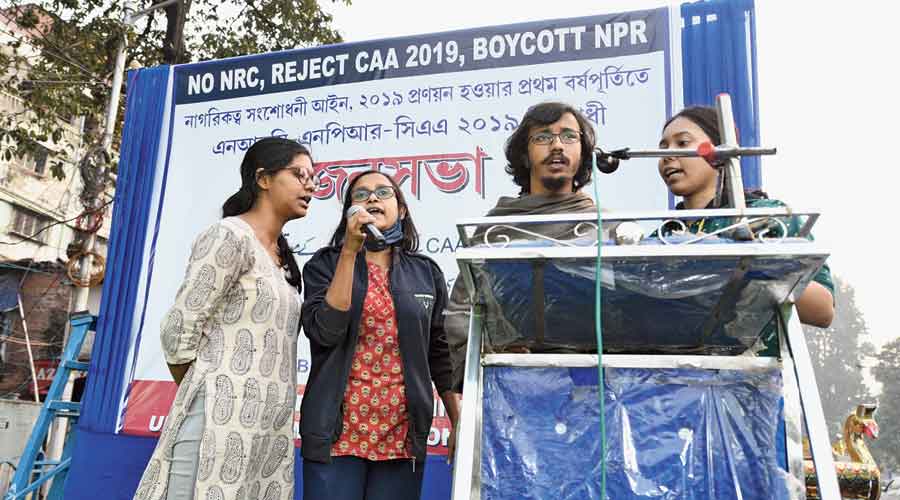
<point x="598" y="329"/>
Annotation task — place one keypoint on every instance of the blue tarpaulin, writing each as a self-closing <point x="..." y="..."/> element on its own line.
<point x="9" y="292"/>
<point x="685" y="434"/>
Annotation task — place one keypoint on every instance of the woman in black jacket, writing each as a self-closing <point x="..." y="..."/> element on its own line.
<point x="374" y="318"/>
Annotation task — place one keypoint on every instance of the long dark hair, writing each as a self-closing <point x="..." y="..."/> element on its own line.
<point x="270" y="154"/>
<point x="410" y="234"/>
<point x="707" y="119"/>
<point x="547" y="113"/>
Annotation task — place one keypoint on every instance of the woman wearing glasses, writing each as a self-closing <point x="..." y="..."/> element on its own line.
<point x="374" y="318"/>
<point x="230" y="342"/>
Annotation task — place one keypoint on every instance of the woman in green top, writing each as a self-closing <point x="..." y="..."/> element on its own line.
<point x="696" y="182"/>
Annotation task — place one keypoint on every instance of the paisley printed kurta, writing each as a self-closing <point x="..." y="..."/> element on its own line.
<point x="235" y="319"/>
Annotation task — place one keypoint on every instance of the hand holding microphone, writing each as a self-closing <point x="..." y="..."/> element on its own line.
<point x="360" y="227"/>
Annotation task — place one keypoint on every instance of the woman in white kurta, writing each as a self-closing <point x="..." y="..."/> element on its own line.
<point x="230" y="343"/>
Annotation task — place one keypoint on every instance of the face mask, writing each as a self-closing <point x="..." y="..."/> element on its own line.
<point x="392" y="236"/>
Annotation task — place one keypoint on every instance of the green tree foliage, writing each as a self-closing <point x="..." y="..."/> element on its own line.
<point x="61" y="54"/>
<point x="887" y="371"/>
<point x="838" y="353"/>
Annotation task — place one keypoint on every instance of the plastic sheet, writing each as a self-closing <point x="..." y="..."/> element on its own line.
<point x="650" y="304"/>
<point x="672" y="434"/>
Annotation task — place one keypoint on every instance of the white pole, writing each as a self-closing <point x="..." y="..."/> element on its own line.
<point x="82" y="293"/>
<point x="37" y="397"/>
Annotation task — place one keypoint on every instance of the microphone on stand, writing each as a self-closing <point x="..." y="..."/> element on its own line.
<point x="608" y="161"/>
<point x="378" y="241"/>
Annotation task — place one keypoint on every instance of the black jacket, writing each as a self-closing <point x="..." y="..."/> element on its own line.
<point x="420" y="294"/>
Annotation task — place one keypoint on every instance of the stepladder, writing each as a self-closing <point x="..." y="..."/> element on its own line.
<point x="34" y="468"/>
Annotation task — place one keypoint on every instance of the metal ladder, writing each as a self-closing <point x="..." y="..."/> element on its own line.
<point x="33" y="469"/>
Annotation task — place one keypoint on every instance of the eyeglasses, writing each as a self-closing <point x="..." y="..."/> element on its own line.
<point x="363" y="194"/>
<point x="304" y="178"/>
<point x="546" y="138"/>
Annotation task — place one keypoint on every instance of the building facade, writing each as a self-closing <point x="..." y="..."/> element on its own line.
<point x="40" y="218"/>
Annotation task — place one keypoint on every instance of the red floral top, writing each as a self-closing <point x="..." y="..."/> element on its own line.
<point x="375" y="421"/>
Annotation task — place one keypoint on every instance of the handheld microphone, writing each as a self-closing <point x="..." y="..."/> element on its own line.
<point x="378" y="242"/>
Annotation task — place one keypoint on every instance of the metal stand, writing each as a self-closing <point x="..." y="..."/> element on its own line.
<point x="814" y="416"/>
<point x="32" y="471"/>
<point x="757" y="276"/>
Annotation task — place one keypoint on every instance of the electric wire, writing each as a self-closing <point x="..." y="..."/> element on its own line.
<point x="598" y="287"/>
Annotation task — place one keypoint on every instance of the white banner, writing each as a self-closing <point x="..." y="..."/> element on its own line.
<point x="432" y="111"/>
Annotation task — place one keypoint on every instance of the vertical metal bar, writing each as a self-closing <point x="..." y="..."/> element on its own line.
<point x="112" y="107"/>
<point x="813" y="414"/>
<point x="467" y="463"/>
<point x="793" y="416"/>
<point x="732" y="167"/>
<point x="479" y="415"/>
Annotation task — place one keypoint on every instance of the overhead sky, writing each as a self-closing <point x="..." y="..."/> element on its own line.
<point x="828" y="85"/>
